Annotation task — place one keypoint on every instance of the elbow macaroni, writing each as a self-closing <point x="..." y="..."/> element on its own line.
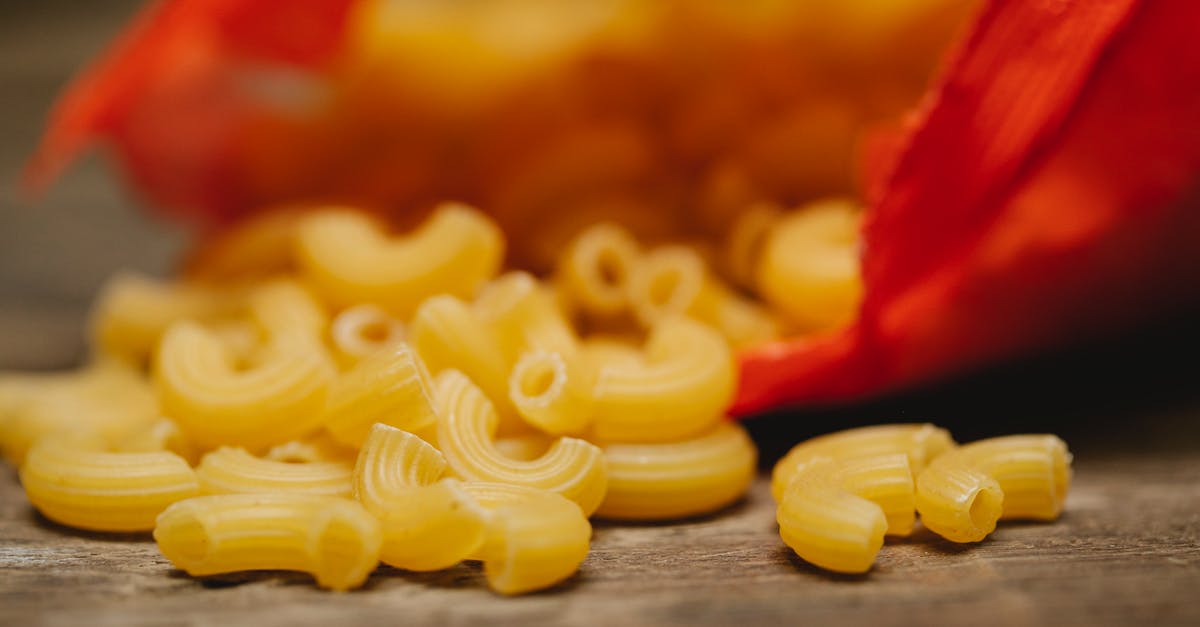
<point x="352" y="260"/>
<point x="358" y="331"/>
<point x="550" y="394"/>
<point x="391" y="387"/>
<point x="963" y="493"/>
<point x="229" y="470"/>
<point x="334" y="539"/>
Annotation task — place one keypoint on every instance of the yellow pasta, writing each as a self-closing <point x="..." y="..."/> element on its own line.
<point x="678" y="479"/>
<point x="391" y="386"/>
<point x="352" y="260"/>
<point x="278" y="396"/>
<point x="133" y="311"/>
<point x="426" y="525"/>
<point x="920" y="442"/>
<point x="161" y="435"/>
<point x="466" y="427"/>
<point x="523" y="316"/>
<point x="834" y="514"/>
<point x="962" y="494"/>
<point x="361" y="330"/>
<point x="332" y="538"/>
<point x="285" y="310"/>
<point x="108" y="399"/>
<point x="230" y="470"/>
<point x="76" y="482"/>
<point x="318" y="447"/>
<point x="534" y="539"/>
<point x="447" y="334"/>
<point x="679" y="388"/>
<point x="595" y="267"/>
<point x="551" y="395"/>
<point x="809" y="268"/>
<point x="673" y="280"/>
<point x="527" y="446"/>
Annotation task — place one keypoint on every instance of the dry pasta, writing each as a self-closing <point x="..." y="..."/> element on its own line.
<point x="391" y="386"/>
<point x="230" y="470"/>
<point x="550" y="394"/>
<point x="743" y="246"/>
<point x="427" y="524"/>
<point x="963" y="493"/>
<point x="133" y="311"/>
<point x="76" y="482"/>
<point x="534" y="540"/>
<point x="678" y="479"/>
<point x="466" y="427"/>
<point x="161" y="435"/>
<point x="332" y="538"/>
<point x="352" y="260"/>
<point x="318" y="447"/>
<point x="809" y="268"/>
<point x="523" y="316"/>
<point x="595" y="267"/>
<point x="361" y="330"/>
<point x="680" y="387"/>
<point x="834" y="514"/>
<point x="920" y="442"/>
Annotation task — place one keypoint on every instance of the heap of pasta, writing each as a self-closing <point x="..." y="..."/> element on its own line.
<point x="321" y="395"/>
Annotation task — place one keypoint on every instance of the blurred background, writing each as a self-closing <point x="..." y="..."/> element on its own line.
<point x="1140" y="389"/>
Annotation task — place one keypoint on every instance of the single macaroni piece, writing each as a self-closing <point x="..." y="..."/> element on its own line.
<point x="674" y="280"/>
<point x="466" y="427"/>
<point x="594" y="270"/>
<point x="534" y="540"/>
<point x="920" y="442"/>
<point x="679" y="388"/>
<point x="133" y="311"/>
<point x="276" y="397"/>
<point x="550" y="394"/>
<point x="361" y="330"/>
<point x="391" y="386"/>
<point x="834" y="514"/>
<point x="76" y="482"/>
<point x="746" y="240"/>
<point x="427" y="524"/>
<point x="447" y="334"/>
<point x="600" y="351"/>
<point x="334" y="539"/>
<point x="259" y="245"/>
<point x="809" y="269"/>
<point x="522" y="316"/>
<point x="230" y="470"/>
<point x="527" y="446"/>
<point x="962" y="494"/>
<point x="678" y="479"/>
<point x="108" y="399"/>
<point x="351" y="260"/>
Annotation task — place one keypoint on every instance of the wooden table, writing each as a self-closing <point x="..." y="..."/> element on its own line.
<point x="1126" y="551"/>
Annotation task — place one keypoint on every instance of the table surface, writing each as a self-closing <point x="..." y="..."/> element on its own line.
<point x="1127" y="550"/>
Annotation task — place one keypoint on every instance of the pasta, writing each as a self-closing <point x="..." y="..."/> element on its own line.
<point x="133" y="311"/>
<point x="678" y="479"/>
<point x="334" y="539"/>
<point x="534" y="538"/>
<point x="679" y="388"/>
<point x="427" y="524"/>
<point x="391" y="386"/>
<point x="522" y="316"/>
<point x="962" y="494"/>
<point x="76" y="482"/>
<point x="361" y="330"/>
<point x="744" y="243"/>
<point x="318" y="447"/>
<point x="352" y="261"/>
<point x="834" y="514"/>
<point x="447" y="334"/>
<point x="466" y="426"/>
<point x="215" y="400"/>
<point x="809" y="269"/>
<point x="161" y="435"/>
<point x="230" y="470"/>
<point x="920" y="442"/>
<point x="674" y="280"/>
<point x="551" y="395"/>
<point x="594" y="270"/>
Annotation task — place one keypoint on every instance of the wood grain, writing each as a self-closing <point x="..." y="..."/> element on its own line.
<point x="1125" y="552"/>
